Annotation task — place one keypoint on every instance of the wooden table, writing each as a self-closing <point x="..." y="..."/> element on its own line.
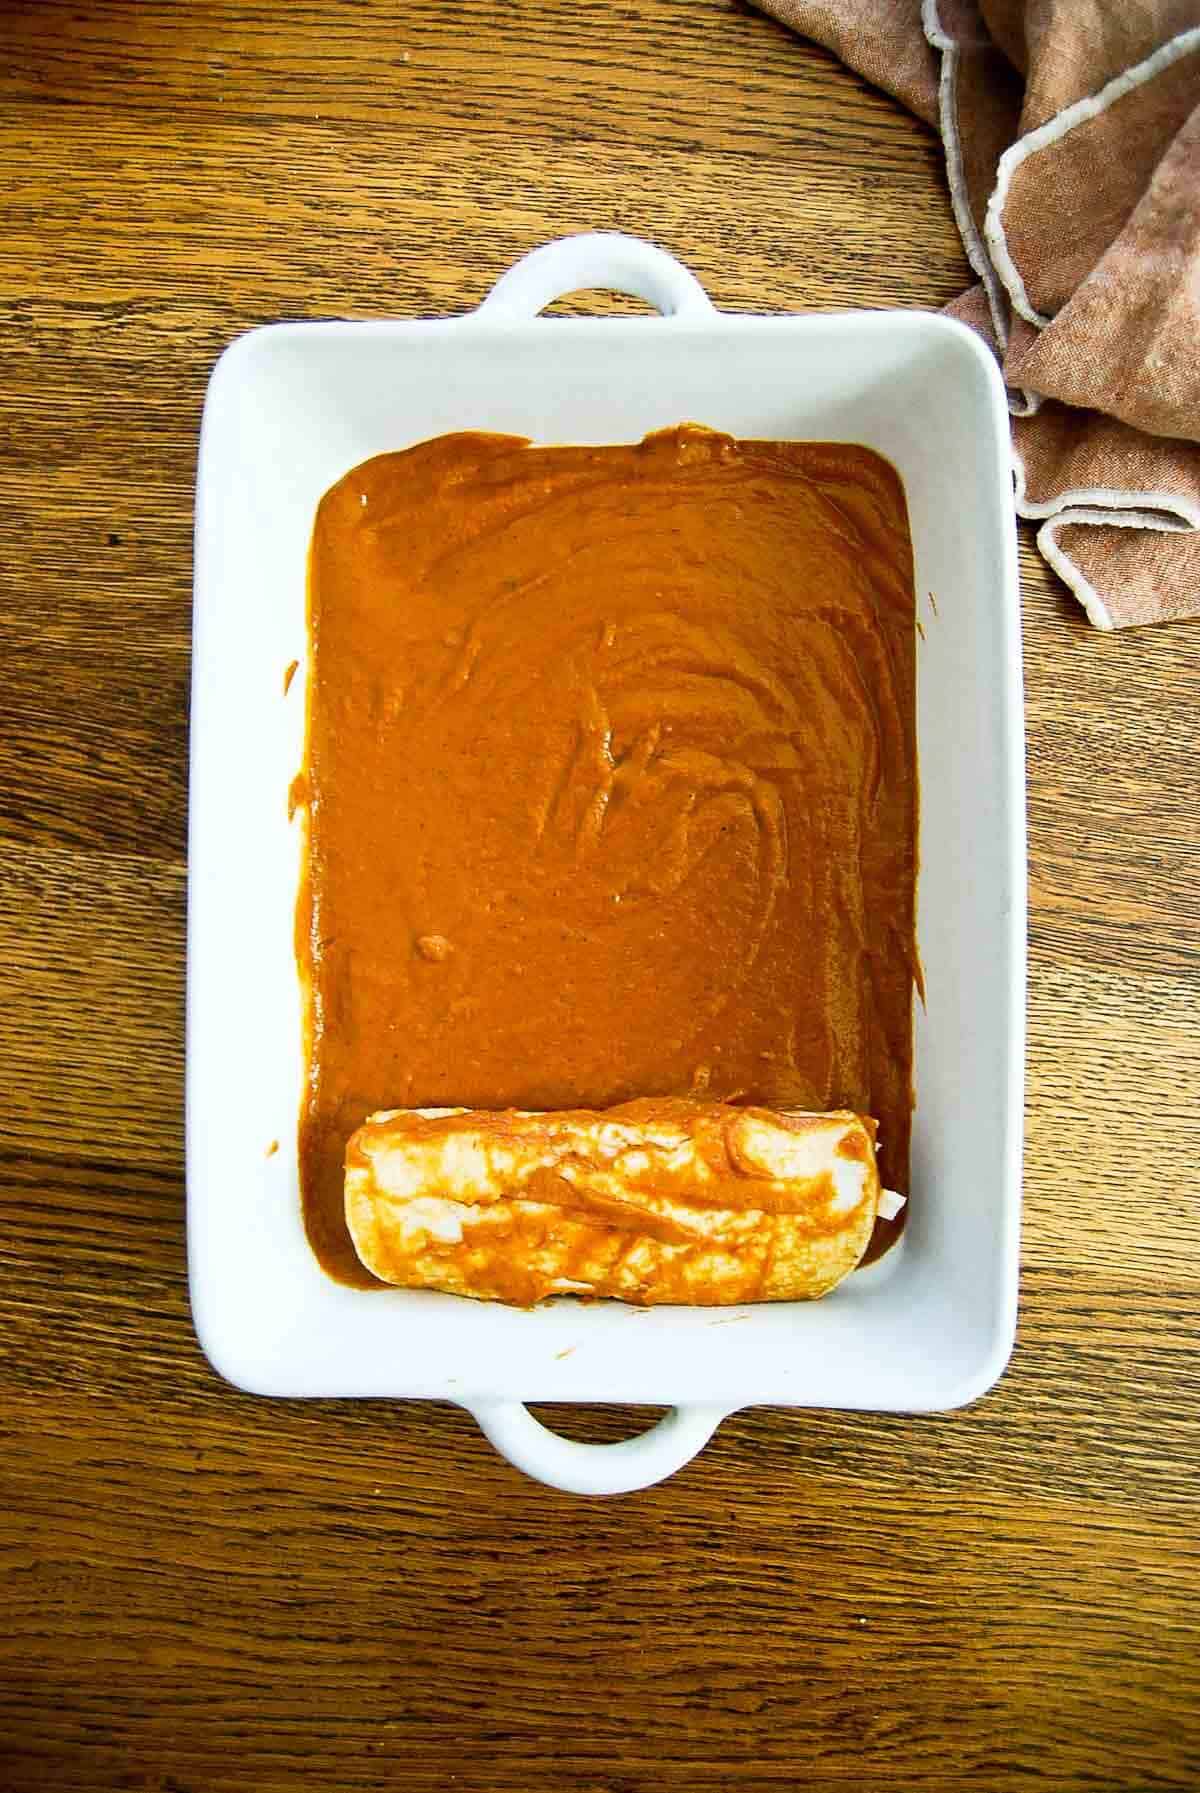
<point x="206" y="1591"/>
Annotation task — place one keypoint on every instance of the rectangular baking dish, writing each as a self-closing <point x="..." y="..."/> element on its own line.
<point x="289" y="409"/>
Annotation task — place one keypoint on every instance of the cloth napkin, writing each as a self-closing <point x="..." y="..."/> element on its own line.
<point x="1072" y="138"/>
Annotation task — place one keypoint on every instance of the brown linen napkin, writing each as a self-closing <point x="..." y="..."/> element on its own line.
<point x="1072" y="139"/>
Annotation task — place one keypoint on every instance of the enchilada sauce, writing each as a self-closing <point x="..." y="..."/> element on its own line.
<point x="610" y="787"/>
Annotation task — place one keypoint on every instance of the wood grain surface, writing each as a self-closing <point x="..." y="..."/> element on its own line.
<point x="205" y="1591"/>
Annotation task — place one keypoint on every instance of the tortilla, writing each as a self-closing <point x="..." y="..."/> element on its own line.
<point x="655" y="1201"/>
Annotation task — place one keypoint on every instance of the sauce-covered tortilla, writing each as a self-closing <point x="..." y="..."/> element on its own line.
<point x="610" y="788"/>
<point x="666" y="1199"/>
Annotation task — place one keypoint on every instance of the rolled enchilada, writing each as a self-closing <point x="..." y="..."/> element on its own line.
<point x="655" y="1201"/>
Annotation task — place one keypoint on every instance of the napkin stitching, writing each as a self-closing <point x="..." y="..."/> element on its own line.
<point x="960" y="204"/>
<point x="1068" y="570"/>
<point x="1055" y="128"/>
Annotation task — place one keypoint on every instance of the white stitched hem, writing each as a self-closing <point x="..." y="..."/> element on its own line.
<point x="1054" y="129"/>
<point x="1069" y="571"/>
<point x="1101" y="507"/>
<point x="960" y="202"/>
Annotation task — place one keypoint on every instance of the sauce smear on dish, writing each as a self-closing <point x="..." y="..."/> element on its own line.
<point x="609" y="786"/>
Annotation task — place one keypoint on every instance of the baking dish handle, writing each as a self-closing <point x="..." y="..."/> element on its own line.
<point x="600" y="258"/>
<point x="597" y="1468"/>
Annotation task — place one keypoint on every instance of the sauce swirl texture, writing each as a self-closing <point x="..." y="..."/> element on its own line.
<point x="610" y="787"/>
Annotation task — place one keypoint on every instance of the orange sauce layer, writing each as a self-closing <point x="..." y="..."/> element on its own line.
<point x="610" y="787"/>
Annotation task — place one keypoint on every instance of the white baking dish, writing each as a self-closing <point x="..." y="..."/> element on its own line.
<point x="290" y="408"/>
